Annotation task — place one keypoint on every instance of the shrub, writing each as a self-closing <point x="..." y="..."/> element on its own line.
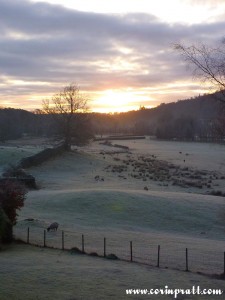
<point x="17" y="174"/>
<point x="12" y="196"/>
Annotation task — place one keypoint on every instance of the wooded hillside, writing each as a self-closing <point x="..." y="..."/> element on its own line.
<point x="200" y="118"/>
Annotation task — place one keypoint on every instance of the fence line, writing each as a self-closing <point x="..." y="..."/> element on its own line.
<point x="185" y="259"/>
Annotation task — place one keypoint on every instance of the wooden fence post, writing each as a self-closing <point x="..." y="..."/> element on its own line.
<point x="62" y="240"/>
<point x="44" y="238"/>
<point x="186" y="260"/>
<point x="82" y="243"/>
<point x="158" y="256"/>
<point x="28" y="235"/>
<point x="131" y="251"/>
<point x="104" y="247"/>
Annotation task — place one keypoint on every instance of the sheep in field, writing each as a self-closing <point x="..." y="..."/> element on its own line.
<point x="54" y="226"/>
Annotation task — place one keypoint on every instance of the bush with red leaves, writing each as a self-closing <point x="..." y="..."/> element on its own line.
<point x="12" y="196"/>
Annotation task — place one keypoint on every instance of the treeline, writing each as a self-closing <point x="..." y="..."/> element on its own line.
<point x="14" y="123"/>
<point x="201" y="118"/>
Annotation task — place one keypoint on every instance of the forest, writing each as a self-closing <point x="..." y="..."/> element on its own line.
<point x="196" y="119"/>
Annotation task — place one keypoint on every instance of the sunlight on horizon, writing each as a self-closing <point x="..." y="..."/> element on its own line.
<point x="111" y="100"/>
<point x="119" y="101"/>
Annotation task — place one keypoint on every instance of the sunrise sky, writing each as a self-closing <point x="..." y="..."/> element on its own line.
<point x="120" y="52"/>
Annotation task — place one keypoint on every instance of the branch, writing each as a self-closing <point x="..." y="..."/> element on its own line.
<point x="208" y="64"/>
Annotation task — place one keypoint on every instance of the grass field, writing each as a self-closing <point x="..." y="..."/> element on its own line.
<point x="33" y="273"/>
<point x="12" y="155"/>
<point x="116" y="206"/>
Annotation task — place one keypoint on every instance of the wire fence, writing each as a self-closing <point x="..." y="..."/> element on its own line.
<point x="141" y="251"/>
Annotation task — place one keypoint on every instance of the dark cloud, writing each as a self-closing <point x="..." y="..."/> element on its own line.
<point x="49" y="43"/>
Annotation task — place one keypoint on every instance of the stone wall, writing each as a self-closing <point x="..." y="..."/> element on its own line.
<point x="42" y="156"/>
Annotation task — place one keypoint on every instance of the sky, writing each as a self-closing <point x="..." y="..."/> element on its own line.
<point x="119" y="52"/>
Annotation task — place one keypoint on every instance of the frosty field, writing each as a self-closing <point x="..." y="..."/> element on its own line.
<point x="33" y="273"/>
<point x="156" y="193"/>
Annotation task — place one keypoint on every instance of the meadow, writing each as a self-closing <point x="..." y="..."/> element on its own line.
<point x="154" y="193"/>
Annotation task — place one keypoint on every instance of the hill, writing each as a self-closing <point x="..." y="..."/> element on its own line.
<point x="200" y="118"/>
<point x="189" y="119"/>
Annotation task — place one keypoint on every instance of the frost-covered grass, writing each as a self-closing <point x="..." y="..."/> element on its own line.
<point x="206" y="156"/>
<point x="122" y="211"/>
<point x="31" y="273"/>
<point x="12" y="155"/>
<point x="174" y="220"/>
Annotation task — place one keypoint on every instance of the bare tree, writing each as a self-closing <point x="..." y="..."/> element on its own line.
<point x="68" y="107"/>
<point x="208" y="64"/>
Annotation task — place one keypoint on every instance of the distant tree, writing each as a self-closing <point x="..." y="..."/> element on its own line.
<point x="184" y="128"/>
<point x="141" y="127"/>
<point x="69" y="110"/>
<point x="218" y="127"/>
<point x="14" y="123"/>
<point x="208" y="64"/>
<point x="38" y="111"/>
<point x="12" y="196"/>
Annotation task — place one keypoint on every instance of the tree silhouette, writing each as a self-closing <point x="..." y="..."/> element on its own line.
<point x="69" y="109"/>
<point x="208" y="64"/>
